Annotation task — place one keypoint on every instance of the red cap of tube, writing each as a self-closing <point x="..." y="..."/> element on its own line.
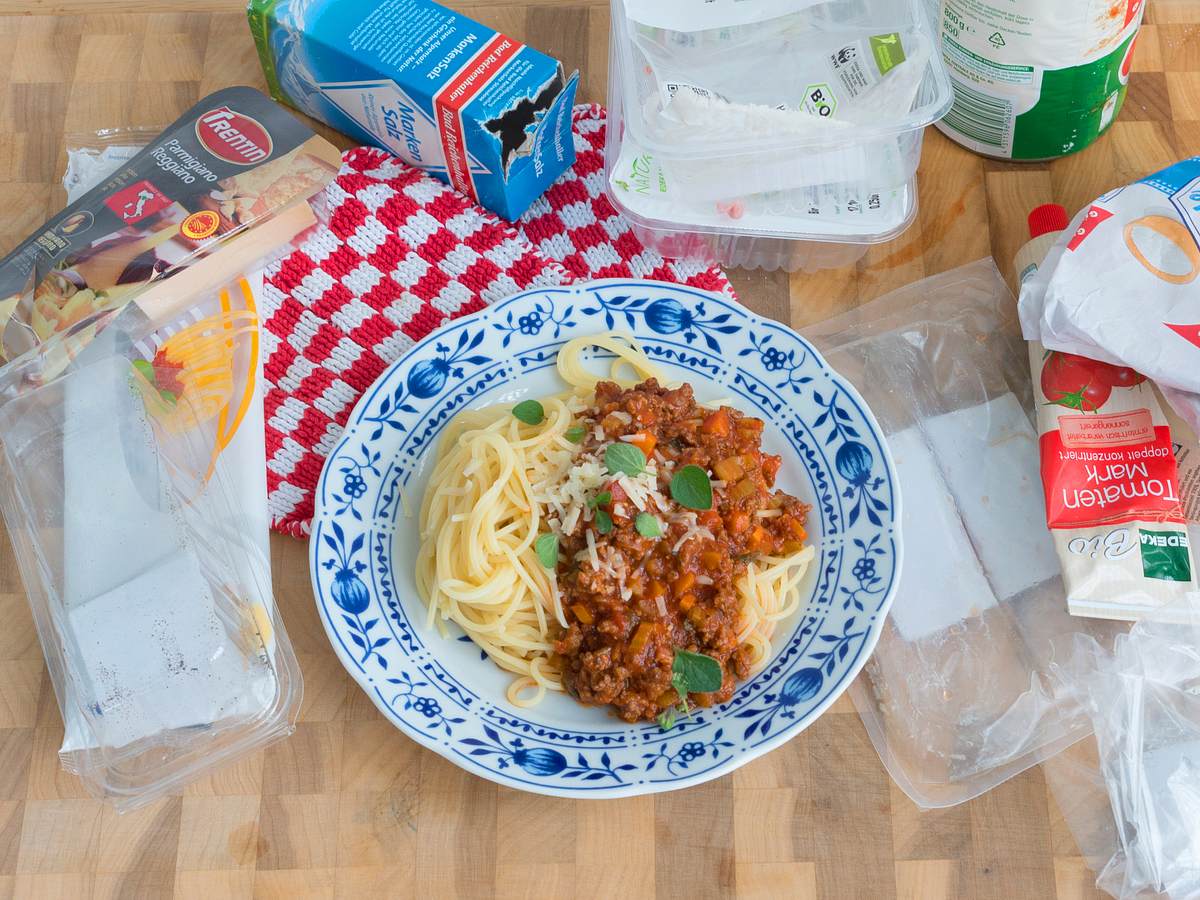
<point x="1047" y="218"/>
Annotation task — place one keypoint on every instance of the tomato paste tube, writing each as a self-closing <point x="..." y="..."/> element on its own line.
<point x="1110" y="477"/>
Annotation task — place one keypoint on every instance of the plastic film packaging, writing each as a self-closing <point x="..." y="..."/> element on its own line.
<point x="752" y="133"/>
<point x="1132" y="798"/>
<point x="131" y="441"/>
<point x="131" y="492"/>
<point x="957" y="697"/>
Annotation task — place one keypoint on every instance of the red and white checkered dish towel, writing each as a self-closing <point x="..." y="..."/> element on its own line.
<point x="398" y="254"/>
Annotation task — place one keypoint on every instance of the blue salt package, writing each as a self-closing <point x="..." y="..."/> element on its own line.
<point x="482" y="111"/>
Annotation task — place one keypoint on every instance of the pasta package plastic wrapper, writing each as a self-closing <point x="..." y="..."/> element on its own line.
<point x="1120" y="285"/>
<point x="219" y="189"/>
<point x="131" y="437"/>
<point x="134" y="492"/>
<point x="957" y="696"/>
<point x="1132" y="798"/>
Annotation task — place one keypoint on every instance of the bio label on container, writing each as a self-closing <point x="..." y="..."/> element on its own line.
<point x="1036" y="79"/>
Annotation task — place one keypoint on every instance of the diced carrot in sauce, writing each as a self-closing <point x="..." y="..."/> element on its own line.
<point x="582" y="613"/>
<point x="686" y="602"/>
<point x="683" y="584"/>
<point x="758" y="538"/>
<point x="711" y="560"/>
<point x="728" y="469"/>
<point x="751" y="425"/>
<point x="770" y="468"/>
<point x="708" y="518"/>
<point x="656" y="589"/>
<point x="644" y="441"/>
<point x="717" y="423"/>
<point x="738" y="522"/>
<point x="640" y="638"/>
<point x="744" y="488"/>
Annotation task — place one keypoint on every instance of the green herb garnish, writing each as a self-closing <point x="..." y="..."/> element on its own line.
<point x="546" y="547"/>
<point x="691" y="488"/>
<point x="647" y="525"/>
<point x="530" y="412"/>
<point x="575" y="434"/>
<point x="602" y="499"/>
<point x="691" y="673"/>
<point x="700" y="674"/>
<point x="604" y="522"/>
<point x="623" y="458"/>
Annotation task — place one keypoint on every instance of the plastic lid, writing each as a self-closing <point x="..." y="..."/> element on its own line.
<point x="934" y="97"/>
<point x="1048" y="218"/>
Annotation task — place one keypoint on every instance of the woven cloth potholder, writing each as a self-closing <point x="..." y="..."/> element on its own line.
<point x="397" y="254"/>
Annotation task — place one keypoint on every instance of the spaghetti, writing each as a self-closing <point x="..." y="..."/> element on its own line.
<point x="618" y="595"/>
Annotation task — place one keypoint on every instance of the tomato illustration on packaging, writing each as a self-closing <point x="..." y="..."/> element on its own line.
<point x="1076" y="382"/>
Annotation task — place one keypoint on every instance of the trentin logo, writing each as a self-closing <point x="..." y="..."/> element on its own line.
<point x="233" y="137"/>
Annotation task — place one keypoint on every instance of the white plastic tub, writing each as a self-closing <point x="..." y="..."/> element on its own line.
<point x="709" y="162"/>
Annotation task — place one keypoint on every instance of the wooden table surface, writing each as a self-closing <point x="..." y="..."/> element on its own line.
<point x="348" y="807"/>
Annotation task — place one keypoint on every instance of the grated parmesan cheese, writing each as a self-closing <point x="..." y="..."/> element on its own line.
<point x="662" y="605"/>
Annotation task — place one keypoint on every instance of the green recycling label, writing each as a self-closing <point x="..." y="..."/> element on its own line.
<point x="1036" y="79"/>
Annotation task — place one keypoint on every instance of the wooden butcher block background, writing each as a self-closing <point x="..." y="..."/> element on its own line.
<point x="348" y="807"/>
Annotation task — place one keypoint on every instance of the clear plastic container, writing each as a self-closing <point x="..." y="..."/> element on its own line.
<point x="710" y="158"/>
<point x="137" y="532"/>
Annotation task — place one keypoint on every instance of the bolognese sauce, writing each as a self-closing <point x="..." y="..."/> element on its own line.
<point x="634" y="595"/>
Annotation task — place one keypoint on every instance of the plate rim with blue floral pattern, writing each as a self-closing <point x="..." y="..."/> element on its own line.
<point x="434" y="687"/>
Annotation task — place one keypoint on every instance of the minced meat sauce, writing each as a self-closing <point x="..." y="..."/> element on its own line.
<point x="674" y="591"/>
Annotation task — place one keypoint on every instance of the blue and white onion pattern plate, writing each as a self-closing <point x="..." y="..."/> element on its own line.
<point x="444" y="694"/>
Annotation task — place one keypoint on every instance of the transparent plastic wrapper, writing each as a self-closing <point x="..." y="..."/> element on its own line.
<point x="131" y="432"/>
<point x="778" y="135"/>
<point x="94" y="155"/>
<point x="957" y="697"/>
<point x="1142" y="697"/>
<point x="142" y="544"/>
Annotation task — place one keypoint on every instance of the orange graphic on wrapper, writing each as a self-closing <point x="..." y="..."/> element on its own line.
<point x="193" y="376"/>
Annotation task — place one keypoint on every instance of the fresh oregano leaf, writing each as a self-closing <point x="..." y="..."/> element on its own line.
<point x="625" y="459"/>
<point x="647" y="525"/>
<point x="546" y="547"/>
<point x="575" y="434"/>
<point x="691" y="488"/>
<point x="602" y="499"/>
<point x="701" y="674"/>
<point x="530" y="412"/>
<point x="604" y="522"/>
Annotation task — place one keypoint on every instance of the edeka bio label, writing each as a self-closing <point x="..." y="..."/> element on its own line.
<point x="1036" y="79"/>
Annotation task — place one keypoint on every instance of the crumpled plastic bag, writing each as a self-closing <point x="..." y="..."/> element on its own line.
<point x="1143" y="699"/>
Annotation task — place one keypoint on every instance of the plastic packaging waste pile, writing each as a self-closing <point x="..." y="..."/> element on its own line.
<point x="957" y="696"/>
<point x="1142" y="697"/>
<point x="131" y="433"/>
<point x="778" y="135"/>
